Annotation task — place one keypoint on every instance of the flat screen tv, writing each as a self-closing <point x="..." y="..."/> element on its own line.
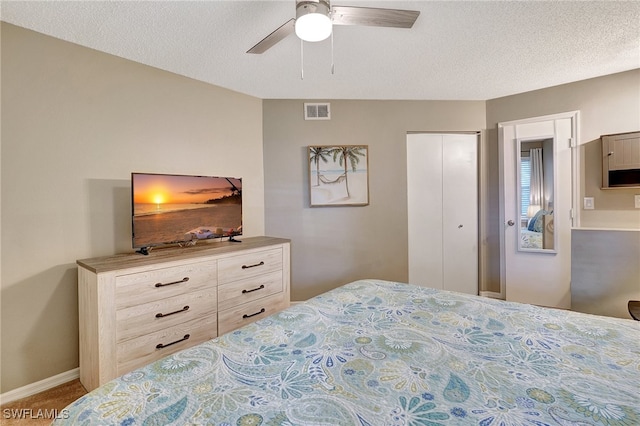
<point x="182" y="209"/>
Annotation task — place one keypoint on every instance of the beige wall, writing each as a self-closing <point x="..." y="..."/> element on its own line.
<point x="75" y="124"/>
<point x="335" y="245"/>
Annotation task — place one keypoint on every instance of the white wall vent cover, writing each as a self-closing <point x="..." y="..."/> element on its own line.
<point x="317" y="111"/>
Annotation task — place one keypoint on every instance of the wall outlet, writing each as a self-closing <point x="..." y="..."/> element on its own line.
<point x="637" y="201"/>
<point x="588" y="203"/>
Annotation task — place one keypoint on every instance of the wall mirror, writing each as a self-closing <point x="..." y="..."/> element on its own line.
<point x="536" y="185"/>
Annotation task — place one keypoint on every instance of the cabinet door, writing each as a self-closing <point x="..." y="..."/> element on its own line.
<point x="623" y="151"/>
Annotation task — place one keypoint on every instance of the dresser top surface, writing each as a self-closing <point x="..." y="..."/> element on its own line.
<point x="160" y="255"/>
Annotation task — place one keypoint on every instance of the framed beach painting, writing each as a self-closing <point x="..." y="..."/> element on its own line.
<point x="339" y="175"/>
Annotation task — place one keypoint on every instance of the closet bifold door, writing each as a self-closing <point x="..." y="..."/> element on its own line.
<point x="442" y="197"/>
<point x="460" y="212"/>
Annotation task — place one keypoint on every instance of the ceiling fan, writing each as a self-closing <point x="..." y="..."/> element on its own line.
<point x="315" y="18"/>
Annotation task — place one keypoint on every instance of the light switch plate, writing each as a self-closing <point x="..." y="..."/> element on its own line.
<point x="588" y="203"/>
<point x="637" y="201"/>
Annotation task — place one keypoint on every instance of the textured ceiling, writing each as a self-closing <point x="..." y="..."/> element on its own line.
<point x="471" y="50"/>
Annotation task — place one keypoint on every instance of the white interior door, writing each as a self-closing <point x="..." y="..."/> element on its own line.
<point x="442" y="197"/>
<point x="537" y="276"/>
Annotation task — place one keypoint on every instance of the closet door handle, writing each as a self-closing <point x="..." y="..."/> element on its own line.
<point x="184" y="280"/>
<point x="511" y="223"/>
<point x="253" y="315"/>
<point x="161" y="315"/>
<point x="162" y="346"/>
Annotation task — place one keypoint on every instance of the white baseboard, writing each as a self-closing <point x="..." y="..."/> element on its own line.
<point x="40" y="386"/>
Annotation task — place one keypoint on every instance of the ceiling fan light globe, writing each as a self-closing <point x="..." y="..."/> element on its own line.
<point x="313" y="27"/>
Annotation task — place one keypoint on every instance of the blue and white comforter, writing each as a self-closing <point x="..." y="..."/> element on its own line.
<point x="382" y="353"/>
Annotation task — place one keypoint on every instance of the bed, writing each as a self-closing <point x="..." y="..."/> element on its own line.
<point x="530" y="239"/>
<point x="384" y="353"/>
<point x="539" y="236"/>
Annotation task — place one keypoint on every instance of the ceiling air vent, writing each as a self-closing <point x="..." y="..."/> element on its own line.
<point x="317" y="111"/>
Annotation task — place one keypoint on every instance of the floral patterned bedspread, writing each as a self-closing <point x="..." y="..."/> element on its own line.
<point x="530" y="239"/>
<point x="382" y="353"/>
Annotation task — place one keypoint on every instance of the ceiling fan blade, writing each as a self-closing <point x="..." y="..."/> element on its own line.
<point x="370" y="16"/>
<point x="273" y="38"/>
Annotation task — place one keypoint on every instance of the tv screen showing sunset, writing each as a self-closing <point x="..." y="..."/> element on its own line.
<point x="175" y="208"/>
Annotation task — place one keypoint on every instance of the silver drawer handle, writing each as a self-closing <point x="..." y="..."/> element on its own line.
<point x="184" y="280"/>
<point x="162" y="346"/>
<point x="161" y="315"/>
<point x="252" y="266"/>
<point x="254" y="289"/>
<point x="253" y="315"/>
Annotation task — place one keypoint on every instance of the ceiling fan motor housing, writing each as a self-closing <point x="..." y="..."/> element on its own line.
<point x="312" y="6"/>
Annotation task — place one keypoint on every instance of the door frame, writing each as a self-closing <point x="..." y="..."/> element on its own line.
<point x="575" y="181"/>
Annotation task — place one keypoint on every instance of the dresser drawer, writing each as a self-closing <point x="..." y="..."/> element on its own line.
<point x="243" y="266"/>
<point x="142" y="287"/>
<point x="236" y="317"/>
<point x="250" y="289"/>
<point x="136" y="321"/>
<point x="143" y="350"/>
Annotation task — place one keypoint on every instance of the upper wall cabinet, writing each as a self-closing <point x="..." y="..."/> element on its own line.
<point x="621" y="160"/>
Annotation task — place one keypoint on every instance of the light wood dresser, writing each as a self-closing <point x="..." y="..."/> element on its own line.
<point x="135" y="309"/>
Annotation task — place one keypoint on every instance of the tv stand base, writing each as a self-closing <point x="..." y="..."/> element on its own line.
<point x="144" y="250"/>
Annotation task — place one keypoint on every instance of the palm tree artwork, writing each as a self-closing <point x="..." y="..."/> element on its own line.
<point x="334" y="165"/>
<point x="317" y="153"/>
<point x="351" y="154"/>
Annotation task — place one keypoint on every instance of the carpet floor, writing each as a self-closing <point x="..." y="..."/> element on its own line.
<point x="42" y="408"/>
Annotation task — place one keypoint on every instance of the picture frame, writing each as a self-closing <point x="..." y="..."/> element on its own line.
<point x="338" y="175"/>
